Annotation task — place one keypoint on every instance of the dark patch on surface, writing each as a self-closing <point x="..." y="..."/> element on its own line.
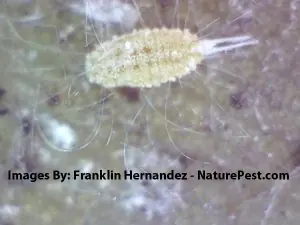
<point x="4" y="111"/>
<point x="175" y="84"/>
<point x="164" y="3"/>
<point x="54" y="100"/>
<point x="238" y="100"/>
<point x="295" y="156"/>
<point x="6" y="220"/>
<point x="184" y="161"/>
<point x="243" y="185"/>
<point x="26" y="126"/>
<point x="25" y="160"/>
<point x="131" y="94"/>
<point x="143" y="209"/>
<point x="187" y="159"/>
<point x="145" y="183"/>
<point x="2" y="92"/>
<point x="282" y="213"/>
<point x="30" y="163"/>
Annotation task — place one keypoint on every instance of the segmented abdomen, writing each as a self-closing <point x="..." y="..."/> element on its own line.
<point x="143" y="58"/>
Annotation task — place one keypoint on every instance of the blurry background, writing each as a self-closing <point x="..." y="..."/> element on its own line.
<point x="240" y="110"/>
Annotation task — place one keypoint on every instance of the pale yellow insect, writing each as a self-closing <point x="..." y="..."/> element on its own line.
<point x="149" y="58"/>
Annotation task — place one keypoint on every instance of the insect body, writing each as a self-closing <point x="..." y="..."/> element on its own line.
<point x="149" y="58"/>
